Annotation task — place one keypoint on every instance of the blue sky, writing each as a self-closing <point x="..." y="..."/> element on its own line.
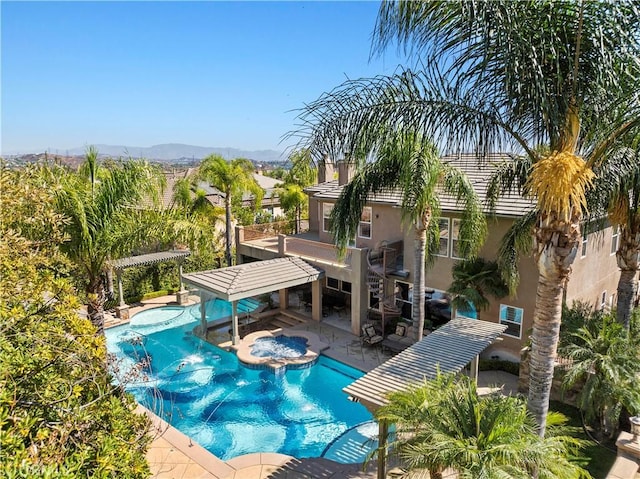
<point x="223" y="74"/>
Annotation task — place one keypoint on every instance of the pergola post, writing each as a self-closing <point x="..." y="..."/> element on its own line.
<point x="182" y="296"/>
<point x="316" y="300"/>
<point x="383" y="429"/>
<point x="120" y="294"/>
<point x="473" y="368"/>
<point x="283" y="298"/>
<point x="234" y="323"/>
<point x="122" y="311"/>
<point x="203" y="315"/>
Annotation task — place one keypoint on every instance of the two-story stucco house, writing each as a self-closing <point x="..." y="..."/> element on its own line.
<point x="375" y="275"/>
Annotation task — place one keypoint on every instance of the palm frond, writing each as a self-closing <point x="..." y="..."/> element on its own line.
<point x="517" y="241"/>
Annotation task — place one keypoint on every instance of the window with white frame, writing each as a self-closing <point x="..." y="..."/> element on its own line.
<point x="455" y="241"/>
<point x="345" y="287"/>
<point x="443" y="224"/>
<point x="511" y="317"/>
<point x="615" y="238"/>
<point x="584" y="242"/>
<point x="333" y="283"/>
<point x="326" y="216"/>
<point x="404" y="299"/>
<point x="364" y="228"/>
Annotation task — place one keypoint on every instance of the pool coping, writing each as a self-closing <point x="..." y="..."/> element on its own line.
<point x="209" y="462"/>
<point x="314" y="348"/>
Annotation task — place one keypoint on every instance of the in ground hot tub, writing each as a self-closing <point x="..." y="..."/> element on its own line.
<point x="280" y="349"/>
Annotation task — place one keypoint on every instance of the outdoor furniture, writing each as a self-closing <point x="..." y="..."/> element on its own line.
<point x="398" y="341"/>
<point x="370" y="336"/>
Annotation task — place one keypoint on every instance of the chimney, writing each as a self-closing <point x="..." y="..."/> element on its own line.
<point x="346" y="170"/>
<point x="326" y="170"/>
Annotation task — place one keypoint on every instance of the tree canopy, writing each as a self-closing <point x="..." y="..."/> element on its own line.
<point x="60" y="413"/>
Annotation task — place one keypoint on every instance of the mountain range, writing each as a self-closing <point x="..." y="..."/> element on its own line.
<point x="177" y="151"/>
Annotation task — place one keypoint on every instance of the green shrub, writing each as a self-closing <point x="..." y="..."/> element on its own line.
<point x="499" y="365"/>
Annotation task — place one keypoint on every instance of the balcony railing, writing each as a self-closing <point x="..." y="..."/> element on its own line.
<point x="314" y="249"/>
<point x="269" y="230"/>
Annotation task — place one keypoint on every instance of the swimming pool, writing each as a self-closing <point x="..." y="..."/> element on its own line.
<point x="230" y="409"/>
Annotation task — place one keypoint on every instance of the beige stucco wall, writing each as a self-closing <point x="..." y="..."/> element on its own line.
<point x="385" y="225"/>
<point x="595" y="273"/>
<point x="313" y="214"/>
<point x="592" y="274"/>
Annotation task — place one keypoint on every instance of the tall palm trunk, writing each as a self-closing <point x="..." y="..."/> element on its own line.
<point x="227" y="235"/>
<point x="629" y="263"/>
<point x="556" y="246"/>
<point x="95" y="303"/>
<point x="419" y="271"/>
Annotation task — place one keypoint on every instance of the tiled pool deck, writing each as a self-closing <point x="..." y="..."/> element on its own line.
<point x="172" y="455"/>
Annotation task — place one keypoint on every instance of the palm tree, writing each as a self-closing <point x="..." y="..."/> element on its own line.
<point x="302" y="171"/>
<point x="232" y="178"/>
<point x="444" y="424"/>
<point x="412" y="165"/>
<point x="605" y="365"/>
<point x="192" y="201"/>
<point x="293" y="199"/>
<point x="616" y="196"/>
<point x="546" y="80"/>
<point x="103" y="218"/>
<point x="473" y="280"/>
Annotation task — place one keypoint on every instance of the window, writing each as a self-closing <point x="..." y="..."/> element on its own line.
<point x="455" y="243"/>
<point x="326" y="216"/>
<point x="615" y="239"/>
<point x="603" y="300"/>
<point x="612" y="301"/>
<point x="404" y="299"/>
<point x="584" y="242"/>
<point x="333" y="283"/>
<point x="345" y="286"/>
<point x="512" y="318"/>
<point x="364" y="228"/>
<point x="444" y="237"/>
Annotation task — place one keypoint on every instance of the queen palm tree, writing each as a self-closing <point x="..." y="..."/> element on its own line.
<point x="616" y="197"/>
<point x="293" y="199"/>
<point x="549" y="81"/>
<point x="104" y="218"/>
<point x="412" y="165"/>
<point x="232" y="178"/>
<point x="473" y="280"/>
<point x="443" y="424"/>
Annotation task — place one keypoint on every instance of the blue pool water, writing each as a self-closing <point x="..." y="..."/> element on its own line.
<point x="230" y="409"/>
<point x="279" y="347"/>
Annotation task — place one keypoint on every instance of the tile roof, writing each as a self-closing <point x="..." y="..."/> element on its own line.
<point x="251" y="279"/>
<point x="512" y="205"/>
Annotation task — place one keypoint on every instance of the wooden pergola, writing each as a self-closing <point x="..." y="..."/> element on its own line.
<point x="448" y="350"/>
<point x="119" y="265"/>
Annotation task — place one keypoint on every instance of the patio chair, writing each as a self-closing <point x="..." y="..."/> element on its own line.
<point x="370" y="336"/>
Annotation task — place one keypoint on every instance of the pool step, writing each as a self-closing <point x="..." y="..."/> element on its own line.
<point x="287" y="319"/>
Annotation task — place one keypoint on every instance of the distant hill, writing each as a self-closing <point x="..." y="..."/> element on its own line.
<point x="176" y="151"/>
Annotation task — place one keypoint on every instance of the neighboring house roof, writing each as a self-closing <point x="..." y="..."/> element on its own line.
<point x="507" y="205"/>
<point x="266" y="182"/>
<point x="171" y="178"/>
<point x="216" y="197"/>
